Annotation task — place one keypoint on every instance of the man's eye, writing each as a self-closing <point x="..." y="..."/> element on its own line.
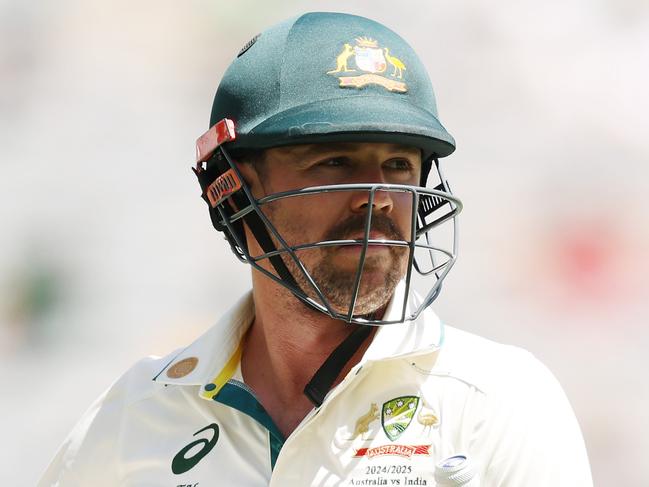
<point x="399" y="164"/>
<point x="333" y="162"/>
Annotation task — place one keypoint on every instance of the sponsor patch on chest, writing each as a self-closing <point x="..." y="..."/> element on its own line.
<point x="393" y="444"/>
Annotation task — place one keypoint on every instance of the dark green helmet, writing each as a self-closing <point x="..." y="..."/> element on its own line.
<point x="330" y="77"/>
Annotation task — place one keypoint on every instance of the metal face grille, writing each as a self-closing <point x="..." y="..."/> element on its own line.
<point x="430" y="209"/>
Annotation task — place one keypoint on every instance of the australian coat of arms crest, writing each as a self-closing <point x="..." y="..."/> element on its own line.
<point x="374" y="65"/>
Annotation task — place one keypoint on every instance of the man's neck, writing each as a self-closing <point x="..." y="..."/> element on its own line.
<point x="285" y="345"/>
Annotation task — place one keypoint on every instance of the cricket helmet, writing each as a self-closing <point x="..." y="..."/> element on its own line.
<point x="318" y="78"/>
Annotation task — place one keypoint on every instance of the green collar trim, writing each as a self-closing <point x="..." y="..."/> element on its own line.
<point x="239" y="396"/>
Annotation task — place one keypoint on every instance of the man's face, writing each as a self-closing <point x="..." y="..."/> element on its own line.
<point x="340" y="215"/>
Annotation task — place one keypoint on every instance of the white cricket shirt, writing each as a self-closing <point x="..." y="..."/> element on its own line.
<point x="189" y="420"/>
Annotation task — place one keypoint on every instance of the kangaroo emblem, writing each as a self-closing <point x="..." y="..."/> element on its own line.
<point x="363" y="423"/>
<point x="396" y="63"/>
<point x="341" y="60"/>
<point x="427" y="417"/>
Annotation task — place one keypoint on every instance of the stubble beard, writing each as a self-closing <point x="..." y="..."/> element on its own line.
<point x="377" y="285"/>
<point x="380" y="276"/>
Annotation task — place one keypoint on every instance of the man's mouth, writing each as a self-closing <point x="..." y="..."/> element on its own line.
<point x="372" y="248"/>
<point x="382" y="229"/>
<point x="372" y="236"/>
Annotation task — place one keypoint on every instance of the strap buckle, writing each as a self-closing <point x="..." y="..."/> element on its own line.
<point x="222" y="187"/>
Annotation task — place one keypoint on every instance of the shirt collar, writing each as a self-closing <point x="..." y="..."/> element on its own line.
<point x="213" y="358"/>
<point x="422" y="335"/>
<point x="214" y="354"/>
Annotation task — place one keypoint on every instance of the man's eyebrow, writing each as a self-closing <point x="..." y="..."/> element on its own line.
<point x="317" y="149"/>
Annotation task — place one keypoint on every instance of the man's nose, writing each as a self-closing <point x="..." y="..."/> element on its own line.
<point x="382" y="201"/>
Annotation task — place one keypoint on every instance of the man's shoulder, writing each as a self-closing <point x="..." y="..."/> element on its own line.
<point x="490" y="366"/>
<point x="92" y="443"/>
<point x="136" y="383"/>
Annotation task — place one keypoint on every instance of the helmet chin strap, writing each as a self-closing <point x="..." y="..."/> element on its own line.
<point x="323" y="379"/>
<point x="321" y="382"/>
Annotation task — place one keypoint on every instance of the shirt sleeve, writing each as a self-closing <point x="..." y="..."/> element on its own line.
<point x="86" y="456"/>
<point x="533" y="437"/>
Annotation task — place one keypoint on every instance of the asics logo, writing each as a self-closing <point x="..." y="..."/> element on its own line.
<point x="182" y="463"/>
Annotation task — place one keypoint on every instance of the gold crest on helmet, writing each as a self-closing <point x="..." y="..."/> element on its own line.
<point x="372" y="62"/>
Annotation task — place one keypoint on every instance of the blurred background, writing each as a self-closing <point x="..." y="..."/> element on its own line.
<point x="107" y="254"/>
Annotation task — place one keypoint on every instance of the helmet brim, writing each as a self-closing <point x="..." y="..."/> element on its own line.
<point x="352" y="119"/>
